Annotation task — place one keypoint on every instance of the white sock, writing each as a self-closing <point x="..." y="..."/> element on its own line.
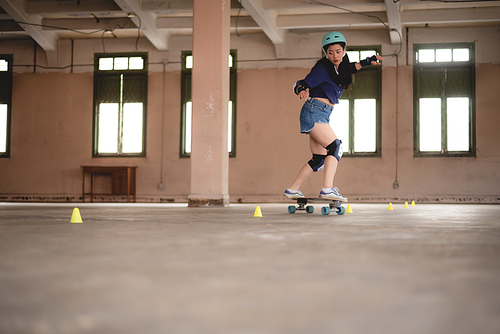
<point x="325" y="190"/>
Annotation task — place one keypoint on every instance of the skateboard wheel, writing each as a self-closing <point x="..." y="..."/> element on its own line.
<point x="325" y="210"/>
<point x="291" y="209"/>
<point x="309" y="209"/>
<point x="340" y="210"/>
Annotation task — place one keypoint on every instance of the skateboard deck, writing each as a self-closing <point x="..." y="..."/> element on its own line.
<point x="333" y="205"/>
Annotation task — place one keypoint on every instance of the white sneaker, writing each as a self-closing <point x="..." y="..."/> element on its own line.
<point x="289" y="193"/>
<point x="332" y="193"/>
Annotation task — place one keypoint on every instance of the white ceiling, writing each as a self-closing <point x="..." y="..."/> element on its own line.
<point x="46" y="21"/>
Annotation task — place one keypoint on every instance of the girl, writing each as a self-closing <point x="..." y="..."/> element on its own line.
<point x="321" y="89"/>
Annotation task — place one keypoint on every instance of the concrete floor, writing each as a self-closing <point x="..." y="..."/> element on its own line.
<point x="173" y="269"/>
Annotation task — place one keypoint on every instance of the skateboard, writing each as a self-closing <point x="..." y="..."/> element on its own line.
<point x="333" y="205"/>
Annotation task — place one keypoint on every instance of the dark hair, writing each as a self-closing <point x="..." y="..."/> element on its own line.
<point x="342" y="44"/>
<point x="344" y="76"/>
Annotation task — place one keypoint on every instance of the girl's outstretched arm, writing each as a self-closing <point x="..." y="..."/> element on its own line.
<point x="369" y="61"/>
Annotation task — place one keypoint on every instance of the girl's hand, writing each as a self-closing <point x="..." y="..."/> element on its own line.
<point x="304" y="95"/>
<point x="378" y="58"/>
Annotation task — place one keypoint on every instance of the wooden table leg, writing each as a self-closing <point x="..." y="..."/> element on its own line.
<point x="91" y="187"/>
<point x="83" y="187"/>
<point x="128" y="184"/>
<point x="135" y="186"/>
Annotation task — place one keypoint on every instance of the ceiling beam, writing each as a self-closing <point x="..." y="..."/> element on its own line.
<point x="329" y="21"/>
<point x="301" y="4"/>
<point x="444" y="17"/>
<point x="423" y="5"/>
<point x="47" y="40"/>
<point x="266" y="19"/>
<point x="245" y="23"/>
<point x="324" y="9"/>
<point x="186" y="23"/>
<point x="167" y="5"/>
<point x="451" y="17"/>
<point x="64" y="7"/>
<point x="394" y="18"/>
<point x="146" y="21"/>
<point x="80" y="24"/>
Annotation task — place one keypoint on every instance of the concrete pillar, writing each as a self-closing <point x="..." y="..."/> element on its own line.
<point x="210" y="96"/>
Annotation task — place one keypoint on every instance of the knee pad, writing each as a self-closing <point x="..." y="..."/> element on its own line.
<point x="335" y="149"/>
<point x="317" y="162"/>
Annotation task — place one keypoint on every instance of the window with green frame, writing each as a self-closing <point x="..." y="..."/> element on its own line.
<point x="5" y="103"/>
<point x="120" y="100"/>
<point x="444" y="100"/>
<point x="186" y="104"/>
<point x="356" y="119"/>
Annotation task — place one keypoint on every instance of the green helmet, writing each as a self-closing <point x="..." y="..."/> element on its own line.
<point x="333" y="37"/>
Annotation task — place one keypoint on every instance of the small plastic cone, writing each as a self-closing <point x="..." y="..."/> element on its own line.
<point x="390" y="207"/>
<point x="258" y="212"/>
<point x="412" y="203"/>
<point x="406" y="204"/>
<point x="76" y="217"/>
<point x="349" y="209"/>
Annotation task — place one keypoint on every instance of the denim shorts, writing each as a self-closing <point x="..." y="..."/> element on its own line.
<point x="314" y="111"/>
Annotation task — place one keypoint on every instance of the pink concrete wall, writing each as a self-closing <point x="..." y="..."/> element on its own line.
<point x="52" y="138"/>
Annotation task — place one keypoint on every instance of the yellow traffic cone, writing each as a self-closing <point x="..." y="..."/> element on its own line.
<point x="349" y="209"/>
<point x="390" y="207"/>
<point x="258" y="212"/>
<point x="406" y="204"/>
<point x="412" y="203"/>
<point x="76" y="217"/>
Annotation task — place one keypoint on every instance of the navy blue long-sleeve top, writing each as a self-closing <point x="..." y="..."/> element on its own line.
<point x="321" y="83"/>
